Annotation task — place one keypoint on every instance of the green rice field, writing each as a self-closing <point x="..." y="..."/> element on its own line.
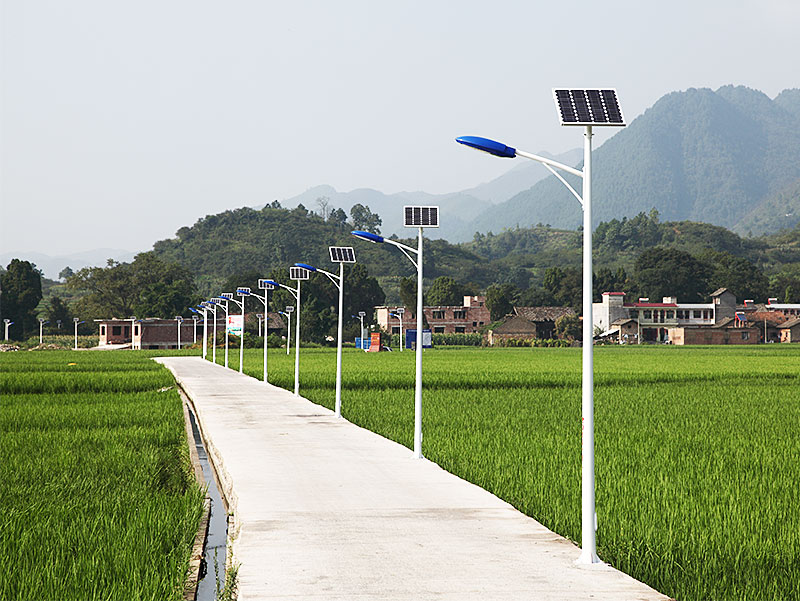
<point x="697" y="448"/>
<point x="98" y="500"/>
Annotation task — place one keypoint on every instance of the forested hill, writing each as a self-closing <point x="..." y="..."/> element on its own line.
<point x="730" y="157"/>
<point x="246" y="240"/>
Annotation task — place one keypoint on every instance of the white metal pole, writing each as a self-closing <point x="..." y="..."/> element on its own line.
<point x="178" y="321"/>
<point x="588" y="516"/>
<point x="266" y="330"/>
<point x="194" y="341"/>
<point x="288" y="331"/>
<point x="226" y="333"/>
<point x="214" y="337"/>
<point x="241" y="342"/>
<point x="297" y="345"/>
<point x="259" y="324"/>
<point x="41" y="326"/>
<point x="401" y="333"/>
<point x="76" y="335"/>
<point x="418" y="388"/>
<point x="205" y="333"/>
<point x="339" y="344"/>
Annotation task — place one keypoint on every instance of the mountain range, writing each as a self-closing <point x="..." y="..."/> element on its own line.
<point x="728" y="157"/>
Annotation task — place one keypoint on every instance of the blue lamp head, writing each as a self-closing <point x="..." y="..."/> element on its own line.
<point x="273" y="283"/>
<point x="193" y="310"/>
<point x="243" y="291"/>
<point x="368" y="236"/>
<point x="305" y="266"/>
<point x="486" y="145"/>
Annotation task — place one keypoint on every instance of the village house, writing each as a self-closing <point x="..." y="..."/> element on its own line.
<point x="467" y="318"/>
<point x="528" y="323"/>
<point x="790" y="330"/>
<point x="153" y="333"/>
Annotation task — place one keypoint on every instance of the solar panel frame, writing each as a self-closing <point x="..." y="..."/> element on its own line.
<point x="420" y="216"/>
<point x="588" y="106"/>
<point x="299" y="273"/>
<point x="342" y="254"/>
<point x="228" y="295"/>
<point x="263" y="284"/>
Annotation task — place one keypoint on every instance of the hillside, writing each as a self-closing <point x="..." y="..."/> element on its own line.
<point x="246" y="240"/>
<point x="699" y="155"/>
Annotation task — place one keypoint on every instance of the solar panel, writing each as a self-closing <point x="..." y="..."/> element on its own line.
<point x="228" y="295"/>
<point x="588" y="107"/>
<point x="265" y="285"/>
<point x="342" y="254"/>
<point x="243" y="291"/>
<point x="299" y="273"/>
<point x="421" y="216"/>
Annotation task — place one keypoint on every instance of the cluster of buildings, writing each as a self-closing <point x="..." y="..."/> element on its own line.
<point x="721" y="321"/>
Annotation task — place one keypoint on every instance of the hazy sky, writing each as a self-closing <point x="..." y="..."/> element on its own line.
<point x="122" y="121"/>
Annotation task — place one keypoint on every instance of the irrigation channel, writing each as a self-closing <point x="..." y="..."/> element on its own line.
<point x="215" y="547"/>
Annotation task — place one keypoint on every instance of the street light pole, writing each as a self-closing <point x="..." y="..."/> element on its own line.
<point x="41" y="330"/>
<point x="289" y="311"/>
<point x="341" y="255"/>
<point x="211" y="306"/>
<point x="222" y="303"/>
<point x="295" y="273"/>
<point x="76" y="321"/>
<point x="7" y="323"/>
<point x="419" y="217"/>
<point x="266" y="287"/>
<point x="361" y="315"/>
<point x="179" y="321"/>
<point x="241" y="293"/>
<point x="194" y="335"/>
<point x="586" y="108"/>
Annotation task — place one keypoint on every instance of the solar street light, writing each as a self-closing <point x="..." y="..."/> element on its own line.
<point x="266" y="286"/>
<point x="42" y="321"/>
<point x="201" y="310"/>
<point x="179" y="321"/>
<point x="398" y="313"/>
<point x="586" y="108"/>
<point x="361" y="315"/>
<point x="242" y="293"/>
<point x="76" y="321"/>
<point x="194" y="330"/>
<point x="419" y="217"/>
<point x="295" y="273"/>
<point x="221" y="301"/>
<point x="289" y="310"/>
<point x="213" y="308"/>
<point x="7" y="323"/>
<point x="298" y="273"/>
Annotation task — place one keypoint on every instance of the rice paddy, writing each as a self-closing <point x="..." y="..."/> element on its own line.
<point x="697" y="449"/>
<point x="98" y="501"/>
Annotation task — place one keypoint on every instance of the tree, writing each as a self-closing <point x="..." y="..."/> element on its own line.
<point x="65" y="273"/>
<point x="569" y="327"/>
<point x="364" y="219"/>
<point x="323" y="202"/>
<point x="408" y="294"/>
<point x="445" y="291"/>
<point x="338" y="217"/>
<point x="736" y="274"/>
<point x="661" y="272"/>
<point x="58" y="310"/>
<point x="21" y="286"/>
<point x="147" y="287"/>
<point x="500" y="300"/>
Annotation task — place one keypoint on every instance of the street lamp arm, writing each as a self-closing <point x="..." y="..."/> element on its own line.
<point x="548" y="162"/>
<point x="285" y="287"/>
<point x="565" y="182"/>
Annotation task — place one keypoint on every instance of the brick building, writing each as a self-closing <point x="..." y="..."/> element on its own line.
<point x="464" y="319"/>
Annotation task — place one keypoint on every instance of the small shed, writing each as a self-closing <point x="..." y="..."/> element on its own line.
<point x="790" y="330"/>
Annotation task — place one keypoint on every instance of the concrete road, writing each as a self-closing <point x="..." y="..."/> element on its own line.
<point x="323" y="509"/>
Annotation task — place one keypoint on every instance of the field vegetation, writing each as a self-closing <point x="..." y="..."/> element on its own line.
<point x="98" y="498"/>
<point x="696" y="448"/>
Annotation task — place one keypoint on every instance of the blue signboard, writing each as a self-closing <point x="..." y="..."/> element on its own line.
<point x="411" y="339"/>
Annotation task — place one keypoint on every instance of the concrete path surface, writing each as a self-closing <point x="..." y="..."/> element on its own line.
<point x="324" y="509"/>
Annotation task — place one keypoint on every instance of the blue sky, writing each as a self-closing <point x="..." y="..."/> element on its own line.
<point x="132" y="119"/>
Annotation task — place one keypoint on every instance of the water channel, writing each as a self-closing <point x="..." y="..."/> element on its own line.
<point x="217" y="537"/>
